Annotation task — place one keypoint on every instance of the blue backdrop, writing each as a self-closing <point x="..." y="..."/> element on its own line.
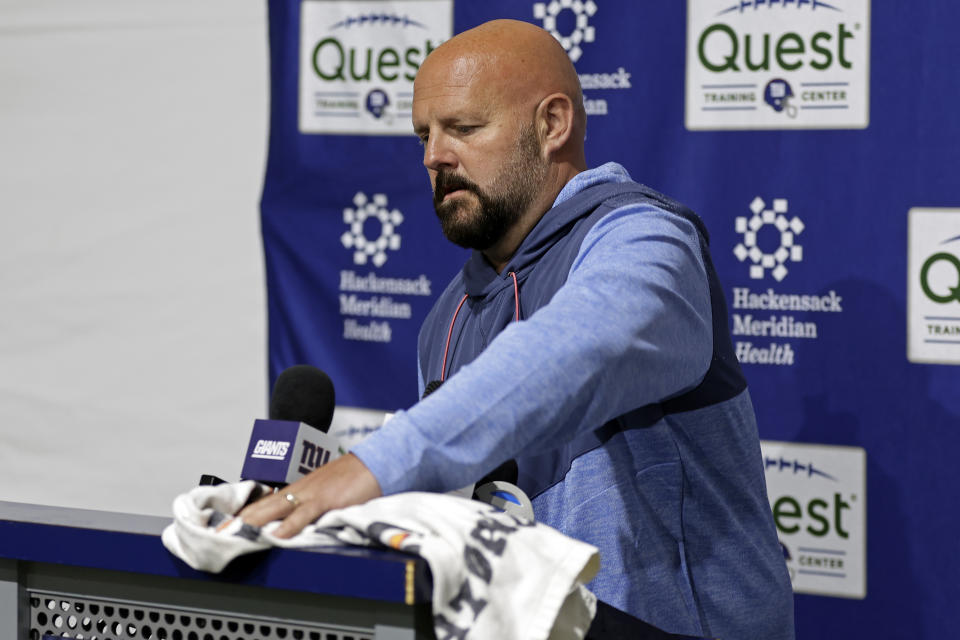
<point x="819" y="143"/>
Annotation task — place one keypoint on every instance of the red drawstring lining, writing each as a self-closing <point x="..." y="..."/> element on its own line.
<point x="516" y="318"/>
<point x="516" y="298"/>
<point x="443" y="370"/>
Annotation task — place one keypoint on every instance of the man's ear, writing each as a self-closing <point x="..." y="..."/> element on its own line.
<point x="554" y="122"/>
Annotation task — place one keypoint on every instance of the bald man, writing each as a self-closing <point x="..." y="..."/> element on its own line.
<point x="586" y="338"/>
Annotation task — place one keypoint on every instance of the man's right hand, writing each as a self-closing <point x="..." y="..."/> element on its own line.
<point x="342" y="483"/>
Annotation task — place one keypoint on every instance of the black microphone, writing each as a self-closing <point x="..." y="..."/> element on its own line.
<point x="303" y="393"/>
<point x="294" y="440"/>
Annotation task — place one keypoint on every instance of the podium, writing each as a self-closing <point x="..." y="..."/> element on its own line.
<point x="92" y="574"/>
<point x="99" y="575"/>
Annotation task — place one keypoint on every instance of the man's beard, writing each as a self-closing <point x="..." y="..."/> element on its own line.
<point x="480" y="225"/>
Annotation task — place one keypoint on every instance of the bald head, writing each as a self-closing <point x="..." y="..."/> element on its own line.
<point x="517" y="61"/>
<point x="499" y="111"/>
<point x="517" y="64"/>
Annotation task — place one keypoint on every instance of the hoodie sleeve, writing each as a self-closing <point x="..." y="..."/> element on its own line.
<point x="631" y="326"/>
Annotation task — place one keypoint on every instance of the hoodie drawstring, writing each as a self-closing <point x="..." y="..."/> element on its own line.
<point x="516" y="318"/>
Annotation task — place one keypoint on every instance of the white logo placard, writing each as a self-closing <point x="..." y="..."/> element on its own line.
<point x="933" y="286"/>
<point x="767" y="64"/>
<point x="818" y="497"/>
<point x="358" y="60"/>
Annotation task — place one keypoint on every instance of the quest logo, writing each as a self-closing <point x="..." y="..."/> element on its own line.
<point x="818" y="498"/>
<point x="358" y="60"/>
<point x="933" y="286"/>
<point x="777" y="64"/>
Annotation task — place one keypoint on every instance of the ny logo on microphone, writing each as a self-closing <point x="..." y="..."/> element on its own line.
<point x="313" y="456"/>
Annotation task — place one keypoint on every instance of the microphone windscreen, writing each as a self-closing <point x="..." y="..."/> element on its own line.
<point x="303" y="393"/>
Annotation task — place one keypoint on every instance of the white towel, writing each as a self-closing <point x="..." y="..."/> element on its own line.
<point x="494" y="575"/>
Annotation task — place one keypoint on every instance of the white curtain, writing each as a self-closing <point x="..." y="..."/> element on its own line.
<point x="132" y="311"/>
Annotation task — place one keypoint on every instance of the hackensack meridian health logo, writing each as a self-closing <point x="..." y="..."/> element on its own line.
<point x="577" y="32"/>
<point x="769" y="324"/>
<point x="358" y="59"/>
<point x="571" y="22"/>
<point x="371" y="304"/>
<point x="785" y="229"/>
<point x="355" y="238"/>
<point x="778" y="64"/>
<point x="933" y="290"/>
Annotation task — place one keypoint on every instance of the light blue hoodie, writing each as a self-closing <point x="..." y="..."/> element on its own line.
<point x="620" y="398"/>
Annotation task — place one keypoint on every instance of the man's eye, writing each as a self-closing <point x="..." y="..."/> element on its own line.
<point x="464" y="129"/>
<point x="423" y="140"/>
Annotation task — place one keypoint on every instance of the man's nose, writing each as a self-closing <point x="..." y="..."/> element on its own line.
<point x="437" y="154"/>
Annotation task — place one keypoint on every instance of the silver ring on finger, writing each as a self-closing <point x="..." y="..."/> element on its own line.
<point x="292" y="499"/>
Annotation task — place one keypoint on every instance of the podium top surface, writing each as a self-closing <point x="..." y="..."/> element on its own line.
<point x="129" y="542"/>
<point x="82" y="518"/>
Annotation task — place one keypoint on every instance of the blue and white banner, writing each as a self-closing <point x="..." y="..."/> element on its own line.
<point x="353" y="250"/>
<point x="819" y="142"/>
